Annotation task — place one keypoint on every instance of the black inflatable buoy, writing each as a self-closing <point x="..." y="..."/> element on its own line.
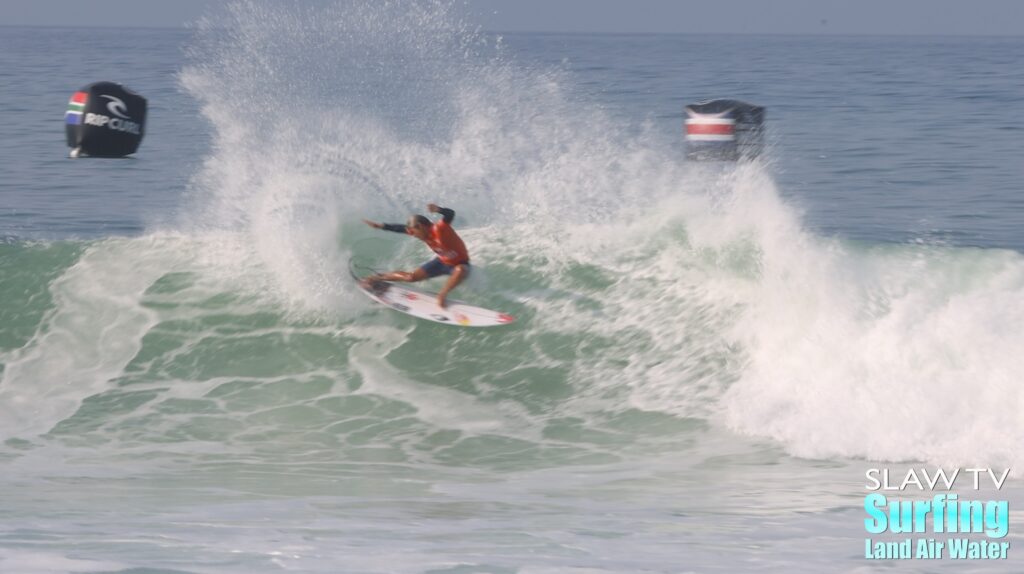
<point x="724" y="130"/>
<point x="105" y="119"/>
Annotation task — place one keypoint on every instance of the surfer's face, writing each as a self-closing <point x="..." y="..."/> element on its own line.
<point x="418" y="229"/>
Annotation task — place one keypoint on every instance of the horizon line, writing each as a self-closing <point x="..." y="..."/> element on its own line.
<point x="188" y="26"/>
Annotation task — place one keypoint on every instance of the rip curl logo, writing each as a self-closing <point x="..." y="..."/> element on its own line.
<point x="116" y="124"/>
<point x="116" y="106"/>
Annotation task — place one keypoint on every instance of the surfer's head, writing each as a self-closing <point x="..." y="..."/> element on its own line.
<point x="419" y="226"/>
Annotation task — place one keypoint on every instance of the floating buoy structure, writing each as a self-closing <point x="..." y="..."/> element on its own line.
<point x="105" y="119"/>
<point x="724" y="130"/>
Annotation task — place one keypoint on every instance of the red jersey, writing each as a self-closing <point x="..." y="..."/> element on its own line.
<point x="447" y="244"/>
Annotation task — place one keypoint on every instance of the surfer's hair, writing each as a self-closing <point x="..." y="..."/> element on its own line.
<point x="418" y="221"/>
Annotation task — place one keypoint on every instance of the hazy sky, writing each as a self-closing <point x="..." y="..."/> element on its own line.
<point x="961" y="17"/>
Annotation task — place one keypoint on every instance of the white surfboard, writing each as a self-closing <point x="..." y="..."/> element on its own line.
<point x="423" y="305"/>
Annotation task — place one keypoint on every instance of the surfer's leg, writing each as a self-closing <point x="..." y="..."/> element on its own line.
<point x="401" y="276"/>
<point x="458" y="274"/>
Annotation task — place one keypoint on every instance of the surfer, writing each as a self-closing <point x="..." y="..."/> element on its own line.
<point x="452" y="258"/>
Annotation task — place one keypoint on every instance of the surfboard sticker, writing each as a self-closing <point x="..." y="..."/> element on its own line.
<point x="423" y="305"/>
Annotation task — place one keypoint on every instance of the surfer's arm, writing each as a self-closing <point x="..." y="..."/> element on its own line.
<point x="447" y="215"/>
<point x="396" y="227"/>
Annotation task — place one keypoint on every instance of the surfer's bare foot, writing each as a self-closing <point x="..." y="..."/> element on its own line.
<point x="441" y="299"/>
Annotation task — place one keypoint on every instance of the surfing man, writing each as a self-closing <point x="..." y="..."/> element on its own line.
<point x="452" y="258"/>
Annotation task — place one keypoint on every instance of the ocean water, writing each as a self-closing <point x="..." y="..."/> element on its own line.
<point x="707" y="359"/>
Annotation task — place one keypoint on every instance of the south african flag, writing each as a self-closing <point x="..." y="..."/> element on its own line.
<point x="76" y="105"/>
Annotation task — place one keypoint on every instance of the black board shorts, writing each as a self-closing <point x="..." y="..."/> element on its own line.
<point x="436" y="267"/>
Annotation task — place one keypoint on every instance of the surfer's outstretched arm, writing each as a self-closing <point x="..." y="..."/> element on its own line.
<point x="447" y="215"/>
<point x="396" y="227"/>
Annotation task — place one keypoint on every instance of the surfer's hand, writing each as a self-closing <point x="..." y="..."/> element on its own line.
<point x="433" y="208"/>
<point x="373" y="224"/>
